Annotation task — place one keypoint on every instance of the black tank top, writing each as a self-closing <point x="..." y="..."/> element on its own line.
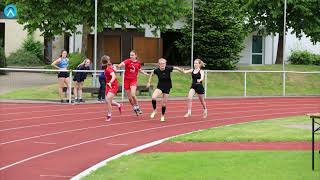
<point x="195" y="77"/>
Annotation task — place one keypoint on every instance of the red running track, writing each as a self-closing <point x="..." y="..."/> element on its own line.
<point x="53" y="141"/>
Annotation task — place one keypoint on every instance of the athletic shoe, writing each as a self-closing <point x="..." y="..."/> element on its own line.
<point x="68" y="101"/>
<point x="162" y="119"/>
<point x="153" y="114"/>
<point x="120" y="108"/>
<point x="205" y="113"/>
<point x="135" y="111"/>
<point x="81" y="101"/>
<point x="139" y="111"/>
<point x="187" y="115"/>
<point x="108" y="118"/>
<point x="62" y="101"/>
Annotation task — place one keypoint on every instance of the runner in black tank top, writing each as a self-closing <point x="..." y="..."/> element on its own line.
<point x="196" y="87"/>
<point x="164" y="85"/>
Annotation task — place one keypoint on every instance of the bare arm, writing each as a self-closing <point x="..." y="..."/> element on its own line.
<point x="187" y="71"/>
<point x="113" y="77"/>
<point x="119" y="65"/>
<point x="202" y="76"/>
<point x="150" y="78"/>
<point x="54" y="63"/>
<point x="179" y="69"/>
<point x="143" y="72"/>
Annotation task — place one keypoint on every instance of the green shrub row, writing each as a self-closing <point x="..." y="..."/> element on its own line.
<point x="304" y="57"/>
<point x="30" y="54"/>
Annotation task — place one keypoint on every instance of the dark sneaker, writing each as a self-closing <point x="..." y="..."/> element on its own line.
<point x="81" y="100"/>
<point x="62" y="101"/>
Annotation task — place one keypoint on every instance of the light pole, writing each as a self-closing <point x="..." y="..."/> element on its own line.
<point x="192" y="34"/>
<point x="95" y="42"/>
<point x="284" y="48"/>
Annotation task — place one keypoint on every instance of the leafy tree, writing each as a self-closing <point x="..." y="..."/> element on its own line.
<point x="155" y="13"/>
<point x="302" y="17"/>
<point x="51" y="17"/>
<point x="55" y="17"/>
<point x="218" y="33"/>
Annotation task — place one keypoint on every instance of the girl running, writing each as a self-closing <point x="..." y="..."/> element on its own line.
<point x="163" y="87"/>
<point x="62" y="63"/>
<point x="196" y="86"/>
<point x="132" y="68"/>
<point x="111" y="86"/>
<point x="78" y="79"/>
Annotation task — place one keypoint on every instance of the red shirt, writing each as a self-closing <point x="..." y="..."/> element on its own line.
<point x="131" y="69"/>
<point x="107" y="74"/>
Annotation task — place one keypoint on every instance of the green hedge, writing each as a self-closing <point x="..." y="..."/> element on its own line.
<point x="75" y="59"/>
<point x="24" y="58"/>
<point x="33" y="46"/>
<point x="304" y="57"/>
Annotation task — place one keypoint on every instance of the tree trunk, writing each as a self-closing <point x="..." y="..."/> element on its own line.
<point x="47" y="50"/>
<point x="279" y="59"/>
<point x="85" y="31"/>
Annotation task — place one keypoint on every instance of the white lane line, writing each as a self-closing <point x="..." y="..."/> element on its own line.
<point x="141" y="120"/>
<point x="93" y="118"/>
<point x="139" y="131"/>
<point x="36" y="142"/>
<point x="170" y="103"/>
<point x="55" y="176"/>
<point x="94" y="112"/>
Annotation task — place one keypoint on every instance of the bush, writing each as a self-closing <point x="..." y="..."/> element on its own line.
<point x="316" y="59"/>
<point x="3" y="62"/>
<point x="75" y="59"/>
<point x="33" y="46"/>
<point x="304" y="57"/>
<point x="23" y="58"/>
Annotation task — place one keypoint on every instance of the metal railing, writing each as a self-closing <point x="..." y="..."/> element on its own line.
<point x="245" y="77"/>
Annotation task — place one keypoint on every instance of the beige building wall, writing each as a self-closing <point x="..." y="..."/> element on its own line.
<point x="15" y="35"/>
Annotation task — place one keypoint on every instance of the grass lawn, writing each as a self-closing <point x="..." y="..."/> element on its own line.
<point x="266" y="130"/>
<point x="219" y="84"/>
<point x="219" y="165"/>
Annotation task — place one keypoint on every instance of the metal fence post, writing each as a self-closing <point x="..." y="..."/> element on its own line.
<point x="70" y="87"/>
<point x="122" y="87"/>
<point x="283" y="83"/>
<point x="245" y="84"/>
<point x="205" y="83"/>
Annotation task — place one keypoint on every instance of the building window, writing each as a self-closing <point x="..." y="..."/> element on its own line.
<point x="257" y="49"/>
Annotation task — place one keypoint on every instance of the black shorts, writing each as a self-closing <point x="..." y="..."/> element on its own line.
<point x="78" y="78"/>
<point x="198" y="88"/>
<point x="164" y="90"/>
<point x="63" y="74"/>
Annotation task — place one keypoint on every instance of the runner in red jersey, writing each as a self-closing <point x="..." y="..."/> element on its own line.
<point x="132" y="68"/>
<point x="111" y="85"/>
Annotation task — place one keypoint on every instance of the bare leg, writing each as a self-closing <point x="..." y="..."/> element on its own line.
<point x="61" y="86"/>
<point x="164" y="102"/>
<point x="67" y="82"/>
<point x="133" y="90"/>
<point x="155" y="94"/>
<point x="109" y="107"/>
<point x="75" y="90"/>
<point x="204" y="105"/>
<point x="80" y="85"/>
<point x="190" y="96"/>
<point x="130" y="97"/>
